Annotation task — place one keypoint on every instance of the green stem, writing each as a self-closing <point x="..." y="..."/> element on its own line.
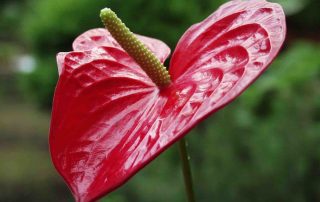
<point x="186" y="169"/>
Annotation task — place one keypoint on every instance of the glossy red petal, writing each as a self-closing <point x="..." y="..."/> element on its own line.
<point x="251" y="31"/>
<point x="91" y="105"/>
<point x="239" y="40"/>
<point x="101" y="37"/>
<point x="109" y="120"/>
<point x="67" y="62"/>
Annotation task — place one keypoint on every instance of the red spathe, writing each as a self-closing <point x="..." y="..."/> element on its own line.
<point x="109" y="119"/>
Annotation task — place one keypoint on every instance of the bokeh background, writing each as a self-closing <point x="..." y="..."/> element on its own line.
<point x="263" y="147"/>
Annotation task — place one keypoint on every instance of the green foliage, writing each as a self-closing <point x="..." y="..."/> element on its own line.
<point x="293" y="6"/>
<point x="308" y="20"/>
<point x="9" y="18"/>
<point x="50" y="26"/>
<point x="39" y="85"/>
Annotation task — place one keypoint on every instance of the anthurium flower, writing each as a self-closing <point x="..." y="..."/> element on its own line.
<point x="112" y="115"/>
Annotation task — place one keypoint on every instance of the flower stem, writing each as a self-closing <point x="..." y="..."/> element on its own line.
<point x="186" y="169"/>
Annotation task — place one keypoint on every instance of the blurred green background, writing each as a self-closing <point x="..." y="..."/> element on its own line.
<point x="263" y="147"/>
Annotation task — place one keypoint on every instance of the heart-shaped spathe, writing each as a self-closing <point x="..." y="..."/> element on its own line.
<point x="109" y="119"/>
